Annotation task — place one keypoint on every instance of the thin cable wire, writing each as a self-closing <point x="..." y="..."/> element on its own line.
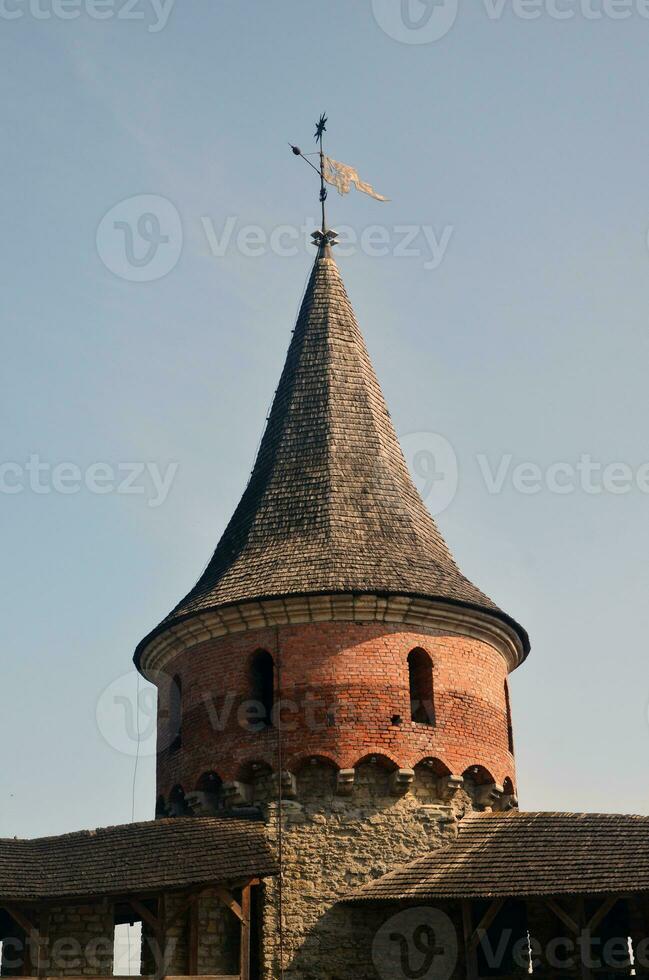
<point x="280" y="823"/>
<point x="137" y="759"/>
<point x="137" y="748"/>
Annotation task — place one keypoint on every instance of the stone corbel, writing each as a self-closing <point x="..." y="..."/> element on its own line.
<point x="289" y="785"/>
<point x="489" y="796"/>
<point x="400" y="781"/>
<point x="201" y="804"/>
<point x="509" y="801"/>
<point x="345" y="782"/>
<point x="237" y="794"/>
<point x="448" y="786"/>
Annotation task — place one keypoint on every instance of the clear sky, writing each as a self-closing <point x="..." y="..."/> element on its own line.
<point x="152" y="331"/>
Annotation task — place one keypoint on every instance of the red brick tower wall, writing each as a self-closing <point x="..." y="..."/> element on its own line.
<point x="345" y="693"/>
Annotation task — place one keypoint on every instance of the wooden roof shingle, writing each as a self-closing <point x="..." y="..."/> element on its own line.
<point x="156" y="856"/>
<point x="330" y="506"/>
<point x="525" y="854"/>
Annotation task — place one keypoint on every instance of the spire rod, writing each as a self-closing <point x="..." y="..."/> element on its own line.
<point x="321" y="128"/>
<point x="340" y="175"/>
<point x="322" y="239"/>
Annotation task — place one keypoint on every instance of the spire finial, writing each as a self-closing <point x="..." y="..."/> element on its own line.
<point x="323" y="239"/>
<point x="320" y="130"/>
<point x="340" y="175"/>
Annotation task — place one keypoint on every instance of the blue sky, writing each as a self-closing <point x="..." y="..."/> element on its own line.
<point x="519" y="146"/>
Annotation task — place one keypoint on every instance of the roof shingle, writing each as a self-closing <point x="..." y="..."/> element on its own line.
<point x="155" y="856"/>
<point x="525" y="854"/>
<point x="330" y="506"/>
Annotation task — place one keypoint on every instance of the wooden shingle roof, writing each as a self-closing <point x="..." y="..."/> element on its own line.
<point x="160" y="855"/>
<point x="330" y="506"/>
<point x="525" y="854"/>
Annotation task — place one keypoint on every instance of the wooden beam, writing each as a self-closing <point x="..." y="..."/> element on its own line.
<point x="19" y="918"/>
<point x="186" y="905"/>
<point x="246" y="905"/>
<point x="192" y="940"/>
<point x="562" y="914"/>
<point x="144" y="913"/>
<point x="228" y="899"/>
<point x="602" y="911"/>
<point x="487" y="919"/>
<point x="471" y="964"/>
<point x="31" y="955"/>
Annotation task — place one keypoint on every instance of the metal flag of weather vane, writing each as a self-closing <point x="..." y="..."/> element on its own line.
<point x="339" y="175"/>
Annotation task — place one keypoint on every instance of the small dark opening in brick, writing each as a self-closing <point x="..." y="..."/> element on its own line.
<point x="420" y="678"/>
<point x="262" y="686"/>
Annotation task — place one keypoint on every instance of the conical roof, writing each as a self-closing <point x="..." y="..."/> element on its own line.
<point x="330" y="506"/>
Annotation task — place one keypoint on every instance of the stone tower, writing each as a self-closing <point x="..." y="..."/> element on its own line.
<point x="332" y="667"/>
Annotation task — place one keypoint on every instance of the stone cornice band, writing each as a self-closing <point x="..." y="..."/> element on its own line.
<point x="294" y="610"/>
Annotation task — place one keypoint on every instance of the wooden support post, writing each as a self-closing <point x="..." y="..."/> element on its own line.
<point x="43" y="941"/>
<point x="161" y="938"/>
<point x="471" y="964"/>
<point x="32" y="940"/>
<point x="246" y="905"/>
<point x="192" y="955"/>
<point x="584" y="936"/>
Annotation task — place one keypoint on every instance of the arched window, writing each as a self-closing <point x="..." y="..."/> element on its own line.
<point x="176" y="714"/>
<point x="211" y="785"/>
<point x="262" y="688"/>
<point x="177" y="804"/>
<point x="510" y="730"/>
<point x="420" y="678"/>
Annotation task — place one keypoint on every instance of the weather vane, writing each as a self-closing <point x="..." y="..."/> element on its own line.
<point x="339" y="175"/>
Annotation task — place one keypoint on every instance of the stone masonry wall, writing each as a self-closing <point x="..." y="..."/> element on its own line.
<point x="365" y="788"/>
<point x="333" y="844"/>
<point x="219" y="935"/>
<point x="218" y="938"/>
<point x="81" y="940"/>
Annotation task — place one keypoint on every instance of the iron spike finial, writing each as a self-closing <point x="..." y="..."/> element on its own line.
<point x="321" y="238"/>
<point x="320" y="128"/>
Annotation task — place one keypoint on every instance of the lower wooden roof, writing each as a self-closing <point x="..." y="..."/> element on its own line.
<point x="525" y="854"/>
<point x="160" y="855"/>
